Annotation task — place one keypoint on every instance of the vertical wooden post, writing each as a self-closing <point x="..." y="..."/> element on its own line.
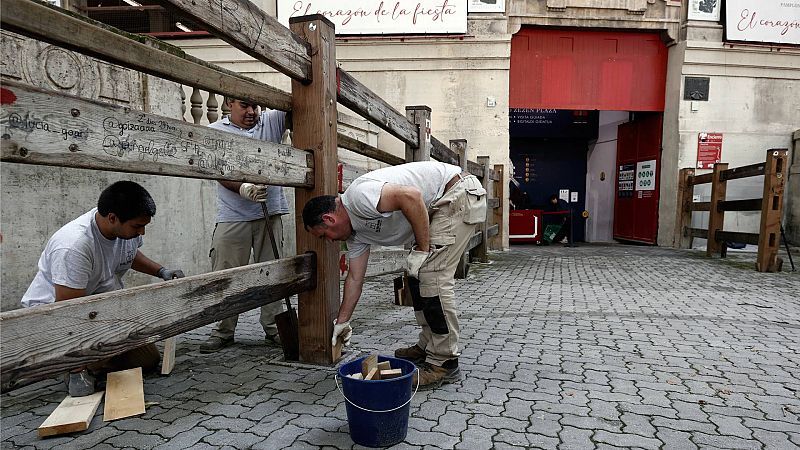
<point x="684" y="209"/>
<point x="716" y="218"/>
<point x="459" y="146"/>
<point x="480" y="250"/>
<point x="499" y="192"/>
<point x="420" y="115"/>
<point x="314" y="111"/>
<point x="769" y="235"/>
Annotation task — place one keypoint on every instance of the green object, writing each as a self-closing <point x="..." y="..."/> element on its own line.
<point x="550" y="232"/>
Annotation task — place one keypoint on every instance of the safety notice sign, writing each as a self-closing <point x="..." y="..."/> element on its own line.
<point x="709" y="150"/>
<point x="646" y="175"/>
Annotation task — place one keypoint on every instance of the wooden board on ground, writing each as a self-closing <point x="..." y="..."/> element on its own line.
<point x="125" y="394"/>
<point x="168" y="360"/>
<point x="73" y="414"/>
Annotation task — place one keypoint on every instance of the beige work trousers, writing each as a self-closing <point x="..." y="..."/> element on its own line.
<point x="231" y="246"/>
<point x="453" y="223"/>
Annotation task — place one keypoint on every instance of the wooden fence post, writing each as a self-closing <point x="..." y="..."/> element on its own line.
<point x="684" y="209"/>
<point x="480" y="250"/>
<point x="459" y="146"/>
<point x="769" y="235"/>
<point x="716" y="218"/>
<point x="315" y="119"/>
<point x="421" y="116"/>
<point x="499" y="192"/>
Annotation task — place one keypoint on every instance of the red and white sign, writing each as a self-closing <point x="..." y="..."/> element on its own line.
<point x="775" y="21"/>
<point x="709" y="150"/>
<point x="382" y="16"/>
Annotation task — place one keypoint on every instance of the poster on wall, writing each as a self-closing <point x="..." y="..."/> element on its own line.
<point x="383" y="16"/>
<point x="625" y="180"/>
<point x="646" y="175"/>
<point x="772" y="21"/>
<point x="709" y="149"/>
<point x="495" y="6"/>
<point x="704" y="10"/>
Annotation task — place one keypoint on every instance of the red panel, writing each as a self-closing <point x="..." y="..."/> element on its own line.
<point x="602" y="70"/>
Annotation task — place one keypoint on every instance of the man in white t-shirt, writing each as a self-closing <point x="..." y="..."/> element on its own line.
<point x="89" y="256"/>
<point x="430" y="204"/>
<point x="241" y="227"/>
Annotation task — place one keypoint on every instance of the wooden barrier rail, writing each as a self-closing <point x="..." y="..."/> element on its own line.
<point x="774" y="171"/>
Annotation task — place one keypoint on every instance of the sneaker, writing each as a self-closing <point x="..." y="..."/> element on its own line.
<point x="413" y="354"/>
<point x="431" y="376"/>
<point x="80" y="384"/>
<point x="273" y="339"/>
<point x="215" y="343"/>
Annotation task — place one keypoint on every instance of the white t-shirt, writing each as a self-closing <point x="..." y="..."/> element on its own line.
<point x="361" y="198"/>
<point x="231" y="207"/>
<point x="78" y="256"/>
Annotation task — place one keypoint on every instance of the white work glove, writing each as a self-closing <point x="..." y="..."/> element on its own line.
<point x="168" y="274"/>
<point x="253" y="192"/>
<point x="415" y="260"/>
<point x="343" y="330"/>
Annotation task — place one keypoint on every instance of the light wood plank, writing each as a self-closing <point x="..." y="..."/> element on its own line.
<point x="47" y="127"/>
<point x="54" y="338"/>
<point x="168" y="358"/>
<point x="73" y="414"/>
<point x="368" y="364"/>
<point x="124" y="394"/>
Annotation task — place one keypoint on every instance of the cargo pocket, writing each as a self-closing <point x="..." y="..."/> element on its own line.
<point x="476" y="204"/>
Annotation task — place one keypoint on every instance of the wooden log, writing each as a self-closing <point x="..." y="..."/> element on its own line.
<point x="168" y="358"/>
<point x="50" y="128"/>
<point x="315" y="118"/>
<point x="54" y="338"/>
<point x="772" y="210"/>
<point x="716" y="218"/>
<point x="420" y="116"/>
<point x="361" y="100"/>
<point x="367" y="150"/>
<point x="683" y="209"/>
<point x="246" y="27"/>
<point x="500" y="194"/>
<point x="481" y="251"/>
<point x="124" y="394"/>
<point x="139" y="52"/>
<point x="73" y="414"/>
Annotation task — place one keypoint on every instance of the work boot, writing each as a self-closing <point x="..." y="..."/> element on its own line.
<point x="80" y="384"/>
<point x="413" y="354"/>
<point x="215" y="343"/>
<point x="431" y="376"/>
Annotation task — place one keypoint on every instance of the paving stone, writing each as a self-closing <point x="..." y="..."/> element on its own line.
<point x="575" y="438"/>
<point x="434" y="439"/>
<point x="703" y="439"/>
<point x="626" y="440"/>
<point x="182" y="424"/>
<point x="476" y="438"/>
<point x="590" y="423"/>
<point x="731" y="426"/>
<point x="285" y="437"/>
<point x="673" y="439"/>
<point x="772" y="440"/>
<point x="226" y="423"/>
<point x="637" y="424"/>
<point x="545" y="424"/>
<point x="236" y="440"/>
<point x="452" y="422"/>
<point x="132" y="439"/>
<point x="184" y="440"/>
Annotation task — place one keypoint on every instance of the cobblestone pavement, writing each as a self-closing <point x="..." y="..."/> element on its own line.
<point x="569" y="348"/>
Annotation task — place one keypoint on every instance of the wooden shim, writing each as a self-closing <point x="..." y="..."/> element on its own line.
<point x="391" y="373"/>
<point x="361" y="100"/>
<point x="384" y="365"/>
<point x="139" y="52"/>
<point x="367" y="150"/>
<point x="373" y="374"/>
<point x="441" y="152"/>
<point x="124" y="394"/>
<point x="368" y="364"/>
<point x="246" y="27"/>
<point x="73" y="414"/>
<point x="53" y="338"/>
<point x="168" y="359"/>
<point x="752" y="170"/>
<point x="50" y="128"/>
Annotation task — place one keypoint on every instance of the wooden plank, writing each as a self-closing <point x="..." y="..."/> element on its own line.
<point x="493" y="230"/>
<point x="139" y="52"/>
<point x="54" y="338"/>
<point x="442" y="152"/>
<point x="475" y="240"/>
<point x="362" y="101"/>
<point x="368" y="364"/>
<point x="315" y="119"/>
<point x="769" y="241"/>
<point x="391" y="373"/>
<point x="373" y="374"/>
<point x="716" y="218"/>
<point x="246" y="27"/>
<point x="124" y="394"/>
<point x="367" y="150"/>
<point x="733" y="236"/>
<point x="381" y="262"/>
<point x="50" y="128"/>
<point x="702" y="179"/>
<point x="73" y="414"/>
<point x="752" y="170"/>
<point x="699" y="206"/>
<point x="753" y="204"/>
<point x="696" y="233"/>
<point x="492" y="203"/>
<point x="683" y="209"/>
<point x="500" y="193"/>
<point x="384" y="365"/>
<point x="496" y="174"/>
<point x="168" y="358"/>
<point x="420" y="116"/>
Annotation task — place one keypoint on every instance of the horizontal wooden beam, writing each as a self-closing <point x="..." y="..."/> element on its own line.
<point x="50" y="339"/>
<point x="696" y="232"/>
<point x="246" y="27"/>
<point x="50" y="128"/>
<point x="753" y="204"/>
<point x="382" y="261"/>
<point x="474" y="241"/>
<point x="443" y="153"/>
<point x="354" y="95"/>
<point x="145" y="54"/>
<point x="367" y="150"/>
<point x="493" y="230"/>
<point x="701" y="179"/>
<point x="743" y="172"/>
<point x="735" y="236"/>
<point x="495" y="175"/>
<point x="700" y="206"/>
<point x="492" y="203"/>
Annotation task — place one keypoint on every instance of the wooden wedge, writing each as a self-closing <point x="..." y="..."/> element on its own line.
<point x="124" y="394"/>
<point x="368" y="364"/>
<point x="168" y="359"/>
<point x="72" y="414"/>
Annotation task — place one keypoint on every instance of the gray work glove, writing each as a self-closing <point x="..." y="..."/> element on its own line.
<point x="343" y="330"/>
<point x="415" y="260"/>
<point x="253" y="192"/>
<point x="168" y="274"/>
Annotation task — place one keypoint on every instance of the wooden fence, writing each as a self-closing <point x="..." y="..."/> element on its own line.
<point x="774" y="171"/>
<point x="49" y="128"/>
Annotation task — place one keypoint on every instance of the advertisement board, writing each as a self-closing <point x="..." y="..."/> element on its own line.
<point x="709" y="149"/>
<point x="383" y="16"/>
<point x="773" y="21"/>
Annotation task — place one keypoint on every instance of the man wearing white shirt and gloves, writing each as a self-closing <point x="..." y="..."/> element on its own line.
<point x="241" y="225"/>
<point x="430" y="204"/>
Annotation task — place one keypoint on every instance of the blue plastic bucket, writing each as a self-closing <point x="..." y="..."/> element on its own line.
<point x="377" y="411"/>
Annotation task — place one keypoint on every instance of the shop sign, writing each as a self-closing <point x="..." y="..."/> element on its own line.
<point x="382" y="16"/>
<point x="709" y="150"/>
<point x="775" y="21"/>
<point x="646" y="175"/>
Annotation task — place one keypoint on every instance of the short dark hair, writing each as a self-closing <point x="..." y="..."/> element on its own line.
<point x="553" y="197"/>
<point x="127" y="200"/>
<point x="316" y="208"/>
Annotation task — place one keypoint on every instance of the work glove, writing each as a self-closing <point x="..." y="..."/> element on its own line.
<point x="343" y="330"/>
<point x="253" y="192"/>
<point x="168" y="274"/>
<point x="415" y="260"/>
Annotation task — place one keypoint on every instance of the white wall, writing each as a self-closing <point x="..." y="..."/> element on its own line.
<point x="601" y="178"/>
